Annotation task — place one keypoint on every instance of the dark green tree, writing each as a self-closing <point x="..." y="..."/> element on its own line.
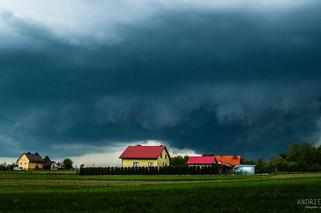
<point x="179" y="161"/>
<point x="67" y="164"/>
<point x="294" y="152"/>
<point x="300" y="157"/>
<point x="318" y="153"/>
<point x="247" y="162"/>
<point x="280" y="163"/>
<point x="262" y="166"/>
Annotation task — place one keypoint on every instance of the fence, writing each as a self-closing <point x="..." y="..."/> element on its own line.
<point x="167" y="170"/>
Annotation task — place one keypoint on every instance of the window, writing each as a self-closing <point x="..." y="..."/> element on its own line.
<point x="150" y="164"/>
<point x="165" y="156"/>
<point x="163" y="164"/>
<point x="135" y="164"/>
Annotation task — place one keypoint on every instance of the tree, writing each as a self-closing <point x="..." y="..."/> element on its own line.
<point x="247" y="162"/>
<point x="67" y="164"/>
<point x="179" y="161"/>
<point x="7" y="167"/>
<point x="300" y="157"/>
<point x="294" y="152"/>
<point x="262" y="166"/>
<point x="279" y="163"/>
<point x="318" y="153"/>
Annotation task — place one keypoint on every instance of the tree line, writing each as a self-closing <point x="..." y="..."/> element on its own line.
<point x="7" y="167"/>
<point x="298" y="158"/>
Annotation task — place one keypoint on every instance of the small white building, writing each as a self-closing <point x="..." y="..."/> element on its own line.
<point x="245" y="169"/>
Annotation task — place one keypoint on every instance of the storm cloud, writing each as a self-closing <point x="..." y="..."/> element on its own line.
<point x="218" y="77"/>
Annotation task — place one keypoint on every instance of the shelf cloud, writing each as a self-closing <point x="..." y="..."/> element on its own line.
<point x="229" y="77"/>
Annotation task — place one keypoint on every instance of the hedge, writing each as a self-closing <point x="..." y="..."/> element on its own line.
<point x="167" y="170"/>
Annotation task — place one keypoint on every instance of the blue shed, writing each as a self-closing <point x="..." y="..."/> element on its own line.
<point x="245" y="169"/>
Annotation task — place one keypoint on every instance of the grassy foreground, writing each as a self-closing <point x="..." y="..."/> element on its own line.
<point x="43" y="192"/>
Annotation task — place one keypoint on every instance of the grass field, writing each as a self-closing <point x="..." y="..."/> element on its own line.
<point x="68" y="192"/>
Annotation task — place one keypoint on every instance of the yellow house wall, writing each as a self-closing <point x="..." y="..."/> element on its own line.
<point x="33" y="165"/>
<point x="160" y="161"/>
<point x="163" y="159"/>
<point x="142" y="162"/>
<point x="25" y="164"/>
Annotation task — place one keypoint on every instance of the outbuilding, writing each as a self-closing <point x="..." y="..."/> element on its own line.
<point x="245" y="169"/>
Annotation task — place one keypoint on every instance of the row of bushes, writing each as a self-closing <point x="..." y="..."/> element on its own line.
<point x="167" y="170"/>
<point x="6" y="167"/>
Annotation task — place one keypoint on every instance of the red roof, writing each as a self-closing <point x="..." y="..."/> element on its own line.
<point x="220" y="159"/>
<point x="143" y="152"/>
<point x="232" y="160"/>
<point x="201" y="160"/>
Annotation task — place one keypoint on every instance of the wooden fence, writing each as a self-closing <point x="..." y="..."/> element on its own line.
<point x="167" y="170"/>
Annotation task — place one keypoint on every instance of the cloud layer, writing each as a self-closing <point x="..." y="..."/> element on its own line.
<point x="219" y="77"/>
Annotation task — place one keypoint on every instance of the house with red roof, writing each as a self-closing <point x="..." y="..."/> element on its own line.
<point x="222" y="160"/>
<point x="145" y="156"/>
<point x="201" y="161"/>
<point x="228" y="160"/>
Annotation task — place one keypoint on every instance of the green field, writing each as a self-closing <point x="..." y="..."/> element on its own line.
<point x="68" y="192"/>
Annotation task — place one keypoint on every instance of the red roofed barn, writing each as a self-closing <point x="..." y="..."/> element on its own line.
<point x="145" y="156"/>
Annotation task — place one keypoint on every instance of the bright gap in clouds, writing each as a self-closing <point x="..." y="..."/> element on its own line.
<point x="79" y="21"/>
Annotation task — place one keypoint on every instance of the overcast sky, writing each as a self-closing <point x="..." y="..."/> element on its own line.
<point x="84" y="79"/>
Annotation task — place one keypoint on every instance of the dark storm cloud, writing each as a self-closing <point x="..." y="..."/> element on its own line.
<point x="227" y="81"/>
